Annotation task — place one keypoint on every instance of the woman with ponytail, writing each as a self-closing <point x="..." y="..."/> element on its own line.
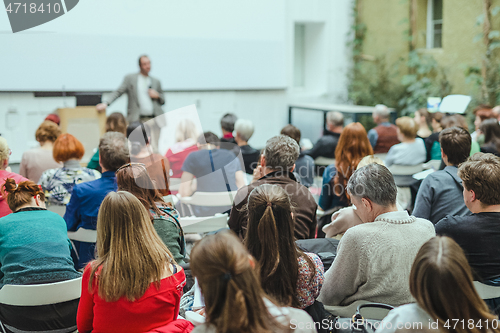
<point x="141" y="151"/>
<point x="441" y="283"/>
<point x="34" y="249"/>
<point x="291" y="276"/>
<point x="234" y="300"/>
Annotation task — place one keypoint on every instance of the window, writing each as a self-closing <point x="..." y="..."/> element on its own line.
<point x="434" y="24"/>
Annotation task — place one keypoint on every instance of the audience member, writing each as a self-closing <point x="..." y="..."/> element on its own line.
<point x="276" y="167"/>
<point x="491" y="131"/>
<point x="139" y="136"/>
<point x="384" y="135"/>
<point x="440" y="193"/>
<point x="352" y="147"/>
<point x="83" y="207"/>
<point x="457" y="120"/>
<point x="35" y="161"/>
<point x="479" y="233"/>
<point x="244" y="131"/>
<point x="441" y="283"/>
<point x="134" y="285"/>
<point x="432" y="141"/>
<point x="326" y="145"/>
<point x="53" y="118"/>
<point x="134" y="178"/>
<point x="5" y="173"/>
<point x="186" y="137"/>
<point x="34" y="249"/>
<point x="481" y="113"/>
<point x="423" y="120"/>
<point x="230" y="285"/>
<point x="115" y="122"/>
<point x="304" y="165"/>
<point x="58" y="183"/>
<point x="411" y="150"/>
<point x="292" y="277"/>
<point x="374" y="258"/>
<point x="227" y="125"/>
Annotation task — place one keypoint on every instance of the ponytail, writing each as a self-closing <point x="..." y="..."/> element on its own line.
<point x="20" y="194"/>
<point x="269" y="250"/>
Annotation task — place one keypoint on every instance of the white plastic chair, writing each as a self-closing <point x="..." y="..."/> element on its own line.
<point x="208" y="199"/>
<point x="60" y="210"/>
<point x="324" y="161"/>
<point x="405" y="170"/>
<point x="485" y="291"/>
<point x="198" y="225"/>
<point x="83" y="235"/>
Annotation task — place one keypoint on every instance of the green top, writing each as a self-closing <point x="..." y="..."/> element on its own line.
<point x="94" y="162"/>
<point x="167" y="226"/>
<point x="474" y="148"/>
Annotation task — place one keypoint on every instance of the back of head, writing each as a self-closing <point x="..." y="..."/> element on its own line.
<point x="491" y="131"/>
<point x="209" y="138"/>
<point x="441" y="282"/>
<point x="381" y="111"/>
<point x="455" y="120"/>
<point x="138" y="135"/>
<point x="227" y="122"/>
<point x="335" y="118"/>
<point x="292" y="132"/>
<point x="244" y="128"/>
<point x="407" y="127"/>
<point x="281" y="152"/>
<point x="129" y="250"/>
<point x="270" y="239"/>
<point x="185" y="130"/>
<point x="54" y="118"/>
<point x="47" y="131"/>
<point x="113" y="151"/>
<point x="20" y="194"/>
<point x="230" y="285"/>
<point x="374" y="182"/>
<point x="369" y="160"/>
<point x="67" y="147"/>
<point x="116" y="122"/>
<point x="4" y="150"/>
<point x="481" y="173"/>
<point x="456" y="143"/>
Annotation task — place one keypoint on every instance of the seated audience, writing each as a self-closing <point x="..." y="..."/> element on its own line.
<point x="35" y="161"/>
<point x="234" y="299"/>
<point x="411" y="150"/>
<point x="328" y="142"/>
<point x="441" y="283"/>
<point x="276" y="167"/>
<point x="34" y="249"/>
<point x="304" y="165"/>
<point x="58" y="184"/>
<point x="5" y="173"/>
<point x="384" y="135"/>
<point x="423" y="120"/>
<point x="352" y="147"/>
<point x="227" y="125"/>
<point x="491" y="131"/>
<point x="186" y="137"/>
<point x="82" y="209"/>
<point x="134" y="285"/>
<point x="481" y="113"/>
<point x="215" y="170"/>
<point x="292" y="277"/>
<point x="432" y="141"/>
<point x="478" y="234"/>
<point x="139" y="136"/>
<point x="374" y="258"/>
<point x="134" y="178"/>
<point x="440" y="193"/>
<point x="115" y="122"/>
<point x="53" y="118"/>
<point x="457" y="120"/>
<point x="244" y="131"/>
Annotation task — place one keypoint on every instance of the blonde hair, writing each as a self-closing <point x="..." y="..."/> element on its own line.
<point x="130" y="254"/>
<point x="186" y="129"/>
<point x="4" y="149"/>
<point x="369" y="160"/>
<point x="407" y="126"/>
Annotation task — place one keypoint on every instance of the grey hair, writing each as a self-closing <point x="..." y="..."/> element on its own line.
<point x="335" y="118"/>
<point x="244" y="128"/>
<point x="374" y="182"/>
<point x="381" y="110"/>
<point x="281" y="152"/>
<point x="4" y="149"/>
<point x="113" y="150"/>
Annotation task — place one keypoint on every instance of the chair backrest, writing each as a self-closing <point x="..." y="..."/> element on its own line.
<point x="60" y="210"/>
<point x="210" y="199"/>
<point x="197" y="225"/>
<point x="324" y="161"/>
<point x="83" y="235"/>
<point x="41" y="294"/>
<point x="405" y="170"/>
<point x="485" y="291"/>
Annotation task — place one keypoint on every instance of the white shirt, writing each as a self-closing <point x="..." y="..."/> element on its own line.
<point x="145" y="102"/>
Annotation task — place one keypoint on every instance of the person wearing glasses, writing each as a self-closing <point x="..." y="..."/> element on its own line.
<point x="83" y="207"/>
<point x="5" y="173"/>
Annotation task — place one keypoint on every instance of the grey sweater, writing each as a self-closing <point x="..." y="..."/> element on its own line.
<point x="374" y="260"/>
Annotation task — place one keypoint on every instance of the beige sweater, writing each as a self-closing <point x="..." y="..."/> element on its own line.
<point x="374" y="260"/>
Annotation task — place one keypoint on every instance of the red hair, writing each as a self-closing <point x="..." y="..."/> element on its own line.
<point x="67" y="147"/>
<point x="20" y="194"/>
<point x="353" y="145"/>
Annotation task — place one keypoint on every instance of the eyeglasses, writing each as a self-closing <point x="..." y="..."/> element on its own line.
<point x="131" y="164"/>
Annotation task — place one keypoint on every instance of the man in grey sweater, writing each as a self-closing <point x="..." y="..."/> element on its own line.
<point x="374" y="258"/>
<point x="440" y="194"/>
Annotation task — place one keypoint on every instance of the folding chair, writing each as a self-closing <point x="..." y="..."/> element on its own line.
<point x="207" y="199"/>
<point x="83" y="235"/>
<point x="60" y="210"/>
<point x="198" y="225"/>
<point x="485" y="291"/>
